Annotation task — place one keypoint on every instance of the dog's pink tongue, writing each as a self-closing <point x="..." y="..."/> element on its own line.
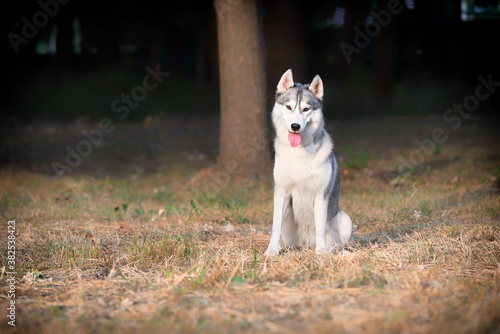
<point x="294" y="139"/>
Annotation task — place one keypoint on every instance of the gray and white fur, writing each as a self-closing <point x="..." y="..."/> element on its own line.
<point x="306" y="180"/>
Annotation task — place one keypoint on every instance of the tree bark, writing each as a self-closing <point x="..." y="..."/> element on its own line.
<point x="243" y="140"/>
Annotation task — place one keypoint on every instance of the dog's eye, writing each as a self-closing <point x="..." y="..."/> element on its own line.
<point x="288" y="107"/>
<point x="306" y="109"/>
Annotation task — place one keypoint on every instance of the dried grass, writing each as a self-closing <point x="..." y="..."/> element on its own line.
<point x="426" y="259"/>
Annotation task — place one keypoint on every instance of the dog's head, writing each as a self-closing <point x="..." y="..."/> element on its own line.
<point x="298" y="104"/>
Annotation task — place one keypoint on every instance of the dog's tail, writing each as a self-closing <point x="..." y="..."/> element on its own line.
<point x="342" y="226"/>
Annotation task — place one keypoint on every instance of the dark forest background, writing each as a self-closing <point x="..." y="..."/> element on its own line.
<point x="426" y="59"/>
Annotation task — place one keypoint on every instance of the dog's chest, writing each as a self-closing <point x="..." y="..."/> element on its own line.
<point x="297" y="168"/>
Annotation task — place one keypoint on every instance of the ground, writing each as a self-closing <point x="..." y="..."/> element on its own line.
<point x="141" y="236"/>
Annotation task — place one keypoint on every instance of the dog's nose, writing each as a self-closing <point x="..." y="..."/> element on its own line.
<point x="295" y="127"/>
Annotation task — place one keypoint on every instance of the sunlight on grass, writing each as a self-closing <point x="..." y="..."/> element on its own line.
<point x="153" y="251"/>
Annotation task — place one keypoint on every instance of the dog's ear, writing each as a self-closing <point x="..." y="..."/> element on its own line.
<point x="286" y="82"/>
<point x="316" y="87"/>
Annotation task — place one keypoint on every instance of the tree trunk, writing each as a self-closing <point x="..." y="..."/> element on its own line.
<point x="243" y="140"/>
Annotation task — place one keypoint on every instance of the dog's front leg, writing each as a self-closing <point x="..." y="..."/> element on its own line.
<point x="279" y="212"/>
<point x="320" y="216"/>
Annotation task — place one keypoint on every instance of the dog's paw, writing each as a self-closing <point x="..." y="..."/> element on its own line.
<point x="272" y="252"/>
<point x="321" y="251"/>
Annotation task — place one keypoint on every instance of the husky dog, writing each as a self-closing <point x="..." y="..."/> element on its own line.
<point x="306" y="180"/>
